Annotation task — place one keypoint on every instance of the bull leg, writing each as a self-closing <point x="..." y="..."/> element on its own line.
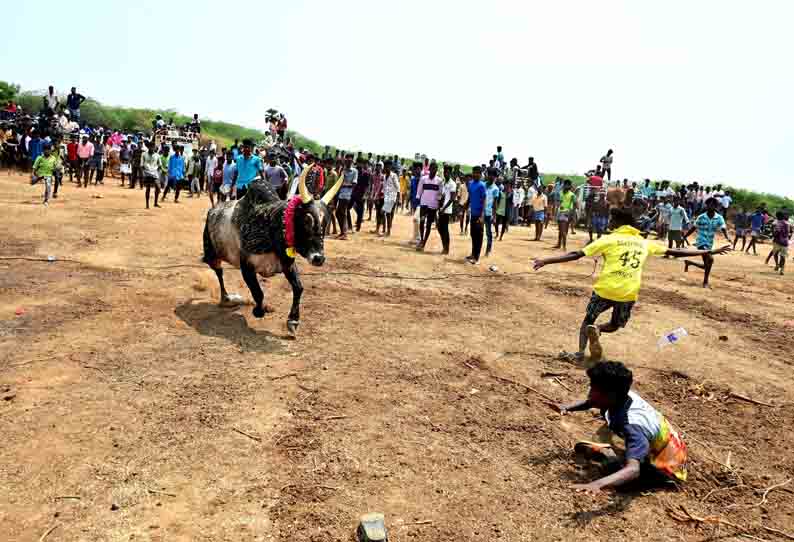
<point x="250" y="278"/>
<point x="224" y="294"/>
<point x="294" y="280"/>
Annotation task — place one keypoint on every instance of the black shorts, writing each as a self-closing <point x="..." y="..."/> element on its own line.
<point x="150" y="181"/>
<point x="621" y="310"/>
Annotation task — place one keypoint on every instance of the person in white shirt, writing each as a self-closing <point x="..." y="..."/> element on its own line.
<point x="52" y="100"/>
<point x="209" y="166"/>
<point x="726" y="201"/>
<point x="518" y="203"/>
<point x="391" y="191"/>
<point x="448" y="189"/>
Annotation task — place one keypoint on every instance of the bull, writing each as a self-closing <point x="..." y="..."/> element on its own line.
<point x="262" y="234"/>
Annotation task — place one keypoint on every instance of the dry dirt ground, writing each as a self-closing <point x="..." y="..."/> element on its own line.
<point x="134" y="408"/>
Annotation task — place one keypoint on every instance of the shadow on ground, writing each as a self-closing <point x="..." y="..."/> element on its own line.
<point x="225" y="323"/>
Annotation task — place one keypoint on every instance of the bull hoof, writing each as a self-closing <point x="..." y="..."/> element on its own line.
<point x="231" y="300"/>
<point x="292" y="327"/>
<point x="259" y="312"/>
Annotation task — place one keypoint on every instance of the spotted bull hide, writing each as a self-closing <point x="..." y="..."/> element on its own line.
<point x="262" y="235"/>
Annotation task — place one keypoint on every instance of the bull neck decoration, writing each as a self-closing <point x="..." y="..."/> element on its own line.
<point x="289" y="224"/>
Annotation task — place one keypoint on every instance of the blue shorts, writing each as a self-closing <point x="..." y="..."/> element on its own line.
<point x="539" y="216"/>
<point x="600" y="224"/>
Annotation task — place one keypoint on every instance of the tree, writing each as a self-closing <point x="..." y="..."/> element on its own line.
<point x="8" y="91"/>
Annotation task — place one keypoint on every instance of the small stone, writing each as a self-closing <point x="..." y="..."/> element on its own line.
<point x="9" y="396"/>
<point x="114" y="507"/>
<point x="723" y="337"/>
<point x="372" y="528"/>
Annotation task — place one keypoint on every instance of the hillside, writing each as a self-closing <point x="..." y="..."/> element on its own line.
<point x="224" y="133"/>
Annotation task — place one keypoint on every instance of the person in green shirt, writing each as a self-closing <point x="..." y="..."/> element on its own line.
<point x="565" y="214"/>
<point x="43" y="170"/>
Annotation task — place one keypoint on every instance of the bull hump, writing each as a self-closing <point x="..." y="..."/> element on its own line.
<point x="261" y="226"/>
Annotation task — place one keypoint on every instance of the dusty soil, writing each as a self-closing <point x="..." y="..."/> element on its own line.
<point x="134" y="408"/>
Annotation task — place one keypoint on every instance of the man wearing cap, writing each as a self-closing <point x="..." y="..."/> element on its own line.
<point x="249" y="166"/>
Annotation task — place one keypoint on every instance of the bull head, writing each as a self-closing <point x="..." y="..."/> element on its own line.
<point x="311" y="219"/>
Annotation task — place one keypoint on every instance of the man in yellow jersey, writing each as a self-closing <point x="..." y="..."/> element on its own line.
<point x="618" y="285"/>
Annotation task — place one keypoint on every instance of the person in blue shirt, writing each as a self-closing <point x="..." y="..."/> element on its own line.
<point x="707" y="225"/>
<point x="491" y="196"/>
<point x="35" y="146"/>
<point x="176" y="173"/>
<point x="416" y="171"/>
<point x="756" y="223"/>
<point x="249" y="166"/>
<point x="477" y="213"/>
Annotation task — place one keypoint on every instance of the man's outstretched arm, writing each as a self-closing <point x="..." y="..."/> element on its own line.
<point x="678" y="253"/>
<point x="570" y="257"/>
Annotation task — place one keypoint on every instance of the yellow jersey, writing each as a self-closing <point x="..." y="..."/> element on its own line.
<point x="624" y="252"/>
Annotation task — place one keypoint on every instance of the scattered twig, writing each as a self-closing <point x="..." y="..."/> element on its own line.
<point x="687" y="516"/>
<point x="779" y="533"/>
<point x="713" y="491"/>
<point x="767" y="491"/>
<point x="331" y="488"/>
<point x="750" y="400"/>
<point x="150" y="490"/>
<point x="48" y="531"/>
<point x="65" y="497"/>
<point x="423" y="522"/>
<point x="283" y="376"/>
<point x="329" y="418"/>
<point x="521" y="385"/>
<point x="252" y="437"/>
<point x="552" y="375"/>
<point x="717" y="461"/>
<point x="96" y="369"/>
<point x="469" y="365"/>
<point x="310" y="390"/>
<point x="558" y="381"/>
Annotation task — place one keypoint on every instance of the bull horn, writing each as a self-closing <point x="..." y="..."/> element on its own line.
<point x="304" y="192"/>
<point x="332" y="192"/>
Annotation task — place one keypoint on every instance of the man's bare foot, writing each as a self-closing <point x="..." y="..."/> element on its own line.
<point x="593" y="336"/>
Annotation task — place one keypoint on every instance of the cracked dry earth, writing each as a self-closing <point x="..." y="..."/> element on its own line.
<point x="134" y="408"/>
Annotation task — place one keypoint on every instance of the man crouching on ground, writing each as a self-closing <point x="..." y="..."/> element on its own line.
<point x="654" y="450"/>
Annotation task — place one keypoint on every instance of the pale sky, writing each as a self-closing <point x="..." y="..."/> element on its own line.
<point x="694" y="90"/>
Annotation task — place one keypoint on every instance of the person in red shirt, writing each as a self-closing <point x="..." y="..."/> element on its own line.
<point x="72" y="160"/>
<point x="596" y="178"/>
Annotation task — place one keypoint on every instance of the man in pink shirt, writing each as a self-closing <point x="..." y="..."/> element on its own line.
<point x="85" y="150"/>
<point x="428" y="193"/>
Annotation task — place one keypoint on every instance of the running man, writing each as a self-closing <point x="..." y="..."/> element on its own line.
<point x="780" y="240"/>
<point x="756" y="223"/>
<point x="618" y="285"/>
<point x="742" y="223"/>
<point x="707" y="225"/>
